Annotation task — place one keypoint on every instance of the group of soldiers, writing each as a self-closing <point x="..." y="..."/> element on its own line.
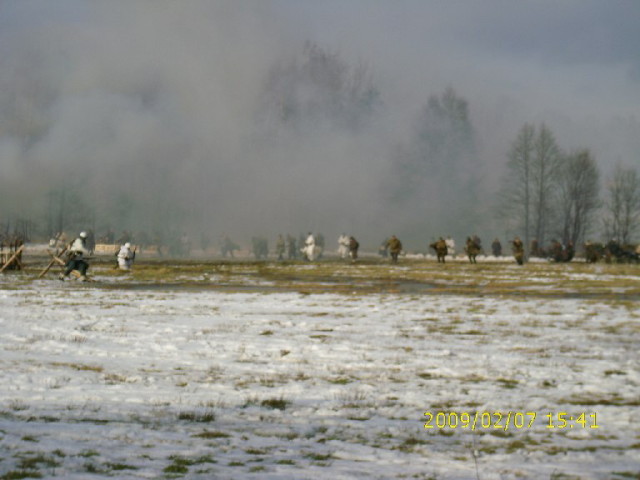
<point x="473" y="247"/>
<point x="311" y="247"/>
<point x="611" y="251"/>
<point x="78" y="252"/>
<point x="348" y="247"/>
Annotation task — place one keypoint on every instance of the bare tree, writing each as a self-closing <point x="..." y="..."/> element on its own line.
<point x="515" y="196"/>
<point x="623" y="204"/>
<point x="544" y="178"/>
<point x="530" y="181"/>
<point x="578" y="192"/>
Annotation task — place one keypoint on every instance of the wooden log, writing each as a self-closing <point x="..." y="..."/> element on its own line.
<point x="12" y="258"/>
<point x="51" y="263"/>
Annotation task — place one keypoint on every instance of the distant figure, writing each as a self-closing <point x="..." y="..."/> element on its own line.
<point x="561" y="253"/>
<point x="593" y="252"/>
<point x="260" y="247"/>
<point x="353" y="248"/>
<point x="496" y="248"/>
<point x="384" y="248"/>
<point x="395" y="247"/>
<point x="280" y="247"/>
<point x="76" y="260"/>
<point x="292" y="250"/>
<point x="319" y="246"/>
<point x="343" y="245"/>
<point x="473" y="248"/>
<point x="126" y="256"/>
<point x="518" y="250"/>
<point x="440" y="246"/>
<point x="310" y="249"/>
<point x="451" y="246"/>
<point x="227" y="246"/>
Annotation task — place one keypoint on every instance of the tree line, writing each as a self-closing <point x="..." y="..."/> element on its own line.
<point x="548" y="193"/>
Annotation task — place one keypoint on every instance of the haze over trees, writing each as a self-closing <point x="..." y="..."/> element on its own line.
<point x="199" y="130"/>
<point x="622" y="205"/>
<point x="579" y="199"/>
<point x="547" y="194"/>
<point x="438" y="169"/>
<point x="322" y="88"/>
<point x="527" y="195"/>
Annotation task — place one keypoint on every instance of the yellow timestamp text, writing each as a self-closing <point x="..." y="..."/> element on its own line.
<point x="562" y="420"/>
<point x="506" y="420"/>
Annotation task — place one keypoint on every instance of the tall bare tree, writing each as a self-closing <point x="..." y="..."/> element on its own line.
<point x="546" y="162"/>
<point x="622" y="217"/>
<point x="578" y="192"/>
<point x="516" y="195"/>
<point x="530" y="181"/>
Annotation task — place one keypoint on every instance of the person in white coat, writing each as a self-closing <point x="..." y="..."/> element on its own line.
<point x="451" y="246"/>
<point x="343" y="246"/>
<point x="309" y="249"/>
<point x="126" y="256"/>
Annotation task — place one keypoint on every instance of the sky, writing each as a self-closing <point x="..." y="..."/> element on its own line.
<point x="156" y="115"/>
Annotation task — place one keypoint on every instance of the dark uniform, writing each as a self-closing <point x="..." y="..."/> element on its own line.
<point x="441" y="249"/>
<point x="496" y="248"/>
<point x="353" y="248"/>
<point x="472" y="248"/>
<point x="395" y="247"/>
<point x="518" y="250"/>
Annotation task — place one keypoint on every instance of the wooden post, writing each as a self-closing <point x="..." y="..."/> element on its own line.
<point x="12" y="258"/>
<point x="54" y="260"/>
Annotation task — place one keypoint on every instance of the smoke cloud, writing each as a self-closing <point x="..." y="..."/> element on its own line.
<point x="263" y="117"/>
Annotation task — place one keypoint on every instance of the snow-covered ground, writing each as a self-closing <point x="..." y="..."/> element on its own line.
<point x="200" y="383"/>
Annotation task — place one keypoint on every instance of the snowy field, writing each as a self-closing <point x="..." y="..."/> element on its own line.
<point x="322" y="371"/>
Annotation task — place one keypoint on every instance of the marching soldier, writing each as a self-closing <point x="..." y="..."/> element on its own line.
<point x="280" y="247"/>
<point x="394" y="246"/>
<point x="292" y="249"/>
<point x="353" y="248"/>
<point x="518" y="250"/>
<point x="473" y="248"/>
<point x="440" y="246"/>
<point x="496" y="248"/>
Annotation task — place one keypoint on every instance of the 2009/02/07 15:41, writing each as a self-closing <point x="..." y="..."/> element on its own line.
<point x="506" y="420"/>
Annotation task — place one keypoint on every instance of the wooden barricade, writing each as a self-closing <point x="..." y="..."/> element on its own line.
<point x="55" y="259"/>
<point x="11" y="259"/>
